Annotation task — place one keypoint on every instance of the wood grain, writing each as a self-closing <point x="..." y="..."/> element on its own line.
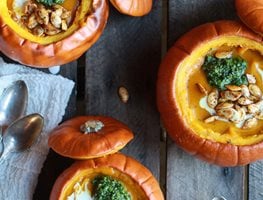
<point x="187" y="177"/>
<point x="128" y="54"/>
<point x="255" y="181"/>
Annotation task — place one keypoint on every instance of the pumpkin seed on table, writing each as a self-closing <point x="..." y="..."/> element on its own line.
<point x="123" y="94"/>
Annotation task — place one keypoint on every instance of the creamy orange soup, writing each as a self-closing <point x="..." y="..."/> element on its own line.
<point x="187" y="91"/>
<point x="86" y="177"/>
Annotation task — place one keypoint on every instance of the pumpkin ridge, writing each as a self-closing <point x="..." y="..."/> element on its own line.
<point x="253" y="10"/>
<point x="146" y="180"/>
<point x="182" y="49"/>
<point x="238" y="155"/>
<point x="215" y="28"/>
<point x="217" y="152"/>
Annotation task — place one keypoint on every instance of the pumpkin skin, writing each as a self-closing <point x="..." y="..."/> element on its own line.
<point x="133" y="7"/>
<point x="126" y="165"/>
<point x="67" y="139"/>
<point x="60" y="52"/>
<point x="251" y="13"/>
<point x="211" y="151"/>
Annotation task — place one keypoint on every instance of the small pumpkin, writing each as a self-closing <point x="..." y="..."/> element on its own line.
<point x="251" y="13"/>
<point x="133" y="7"/>
<point x="179" y="98"/>
<point x="86" y="137"/>
<point x="137" y="179"/>
<point x="88" y="18"/>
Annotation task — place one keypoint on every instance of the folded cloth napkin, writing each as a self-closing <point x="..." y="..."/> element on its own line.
<point x="48" y="96"/>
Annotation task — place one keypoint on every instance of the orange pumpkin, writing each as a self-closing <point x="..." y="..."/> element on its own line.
<point x="178" y="97"/>
<point x="23" y="46"/>
<point x="137" y="179"/>
<point x="133" y="7"/>
<point x="251" y="13"/>
<point x="88" y="137"/>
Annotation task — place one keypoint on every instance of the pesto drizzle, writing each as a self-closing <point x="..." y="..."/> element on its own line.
<point x="107" y="188"/>
<point x="225" y="71"/>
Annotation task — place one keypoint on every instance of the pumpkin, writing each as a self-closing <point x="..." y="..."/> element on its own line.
<point x="137" y="179"/>
<point x="88" y="17"/>
<point x="251" y="13"/>
<point x="179" y="98"/>
<point x="133" y="7"/>
<point x="86" y="137"/>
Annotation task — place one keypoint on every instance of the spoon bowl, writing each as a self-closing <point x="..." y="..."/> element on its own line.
<point x="22" y="133"/>
<point x="13" y="103"/>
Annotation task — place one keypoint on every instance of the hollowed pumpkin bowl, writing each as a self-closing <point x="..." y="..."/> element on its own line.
<point x="179" y="99"/>
<point x="137" y="179"/>
<point x="20" y="44"/>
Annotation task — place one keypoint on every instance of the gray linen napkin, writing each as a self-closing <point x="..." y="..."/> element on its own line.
<point x="48" y="96"/>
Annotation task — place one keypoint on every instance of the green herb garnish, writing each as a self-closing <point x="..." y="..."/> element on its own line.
<point x="225" y="71"/>
<point x="50" y="2"/>
<point x="107" y="188"/>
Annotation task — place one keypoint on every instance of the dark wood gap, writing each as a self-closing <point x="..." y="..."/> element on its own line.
<point x="246" y="182"/>
<point x="163" y="141"/>
<point x="81" y="85"/>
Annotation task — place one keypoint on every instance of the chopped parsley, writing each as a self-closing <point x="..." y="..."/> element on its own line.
<point x="225" y="71"/>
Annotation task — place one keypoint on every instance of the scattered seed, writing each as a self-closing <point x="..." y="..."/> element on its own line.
<point x="255" y="90"/>
<point x="233" y="87"/>
<point x="212" y="98"/>
<point x="123" y="94"/>
<point x="226" y="113"/>
<point x="251" y="79"/>
<point x="244" y="101"/>
<point x="224" y="105"/>
<point x="250" y="123"/>
<point x="245" y="91"/>
<point x="231" y="95"/>
<point x="201" y="88"/>
<point x="223" y="54"/>
<point x="210" y="119"/>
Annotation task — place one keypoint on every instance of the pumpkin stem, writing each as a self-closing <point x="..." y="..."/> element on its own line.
<point x="91" y="126"/>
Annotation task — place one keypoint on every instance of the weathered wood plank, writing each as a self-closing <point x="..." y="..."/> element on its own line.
<point x="128" y="54"/>
<point x="255" y="181"/>
<point x="187" y="177"/>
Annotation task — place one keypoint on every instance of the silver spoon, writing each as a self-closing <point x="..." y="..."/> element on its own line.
<point x="13" y="103"/>
<point x="21" y="134"/>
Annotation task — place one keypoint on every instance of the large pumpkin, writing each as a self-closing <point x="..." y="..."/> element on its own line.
<point x="88" y="137"/>
<point x="133" y="7"/>
<point x="179" y="99"/>
<point x="251" y="13"/>
<point x="137" y="179"/>
<point x="18" y="42"/>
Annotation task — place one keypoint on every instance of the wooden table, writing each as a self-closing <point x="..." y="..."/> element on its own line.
<point x="128" y="54"/>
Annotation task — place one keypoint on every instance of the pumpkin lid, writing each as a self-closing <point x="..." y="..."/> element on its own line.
<point x="251" y="13"/>
<point x="79" y="178"/>
<point x="86" y="137"/>
<point x="133" y="7"/>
